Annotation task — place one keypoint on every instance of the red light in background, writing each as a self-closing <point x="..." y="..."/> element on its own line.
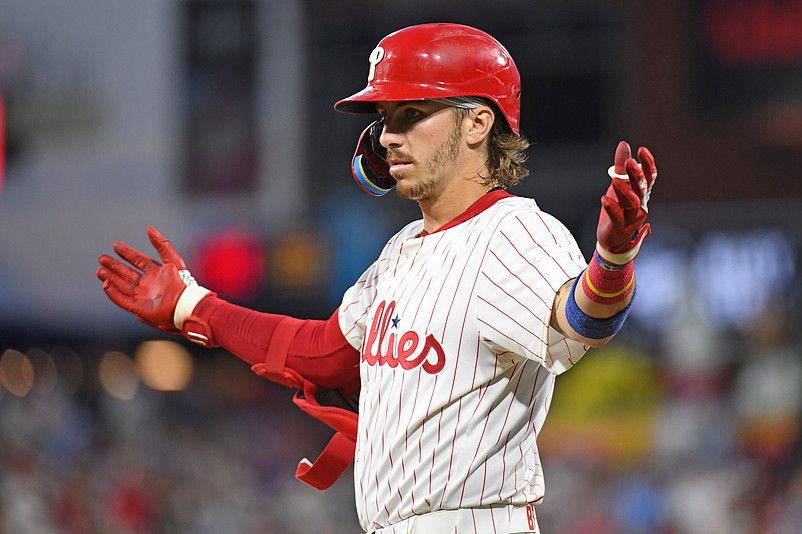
<point x="231" y="263"/>
<point x="754" y="32"/>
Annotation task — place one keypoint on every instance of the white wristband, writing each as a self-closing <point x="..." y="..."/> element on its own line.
<point x="187" y="302"/>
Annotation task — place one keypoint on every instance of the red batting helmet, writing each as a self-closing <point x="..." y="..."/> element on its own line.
<point x="439" y="61"/>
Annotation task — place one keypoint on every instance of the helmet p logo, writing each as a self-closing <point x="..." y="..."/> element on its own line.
<point x="375" y="57"/>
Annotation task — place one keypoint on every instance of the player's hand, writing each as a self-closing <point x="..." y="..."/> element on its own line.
<point x="148" y="288"/>
<point x="622" y="224"/>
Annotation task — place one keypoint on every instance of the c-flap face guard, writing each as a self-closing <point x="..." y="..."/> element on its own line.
<point x="369" y="165"/>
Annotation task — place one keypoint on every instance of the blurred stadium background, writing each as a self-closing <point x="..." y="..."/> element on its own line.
<point x="213" y="121"/>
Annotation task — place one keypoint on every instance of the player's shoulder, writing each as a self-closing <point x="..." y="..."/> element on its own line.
<point x="515" y="204"/>
<point x="523" y="217"/>
<point x="525" y="209"/>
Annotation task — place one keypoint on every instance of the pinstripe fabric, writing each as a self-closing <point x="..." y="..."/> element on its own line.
<point x="458" y="362"/>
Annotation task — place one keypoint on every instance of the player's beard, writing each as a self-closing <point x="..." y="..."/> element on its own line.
<point x="431" y="171"/>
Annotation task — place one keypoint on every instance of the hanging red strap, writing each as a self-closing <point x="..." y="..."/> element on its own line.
<point x="330" y="465"/>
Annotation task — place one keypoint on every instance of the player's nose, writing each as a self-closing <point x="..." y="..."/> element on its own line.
<point x="390" y="136"/>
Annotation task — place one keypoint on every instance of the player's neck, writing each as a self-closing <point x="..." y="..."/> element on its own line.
<point x="450" y="203"/>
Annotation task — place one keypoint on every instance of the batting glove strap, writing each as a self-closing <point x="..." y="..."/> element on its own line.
<point x="198" y="331"/>
<point x="622" y="258"/>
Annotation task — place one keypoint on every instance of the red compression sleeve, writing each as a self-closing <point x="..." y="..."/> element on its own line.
<point x="315" y="349"/>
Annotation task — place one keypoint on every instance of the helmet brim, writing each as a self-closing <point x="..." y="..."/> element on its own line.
<point x="365" y="100"/>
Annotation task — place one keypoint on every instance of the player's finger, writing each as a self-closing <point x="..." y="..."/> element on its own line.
<point x="124" y="286"/>
<point x="645" y="231"/>
<point x="132" y="255"/>
<point x="637" y="180"/>
<point x="626" y="191"/>
<point x="166" y="251"/>
<point x="648" y="165"/>
<point x="112" y="282"/>
<point x="622" y="153"/>
<point x="119" y="268"/>
<point x="117" y="297"/>
<point x="103" y="274"/>
<point x="613" y="211"/>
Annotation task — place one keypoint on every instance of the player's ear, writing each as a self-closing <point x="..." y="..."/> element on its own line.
<point x="480" y="123"/>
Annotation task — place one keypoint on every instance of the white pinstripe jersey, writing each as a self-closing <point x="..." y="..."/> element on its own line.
<point x="458" y="361"/>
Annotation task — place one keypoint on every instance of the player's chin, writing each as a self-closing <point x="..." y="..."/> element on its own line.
<point x="404" y="186"/>
<point x="411" y="192"/>
<point x="411" y="189"/>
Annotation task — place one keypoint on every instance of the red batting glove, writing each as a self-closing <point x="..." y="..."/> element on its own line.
<point x="150" y="289"/>
<point x="622" y="224"/>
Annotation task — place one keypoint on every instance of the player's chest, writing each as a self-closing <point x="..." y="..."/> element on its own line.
<point x="426" y="284"/>
<point x="423" y="307"/>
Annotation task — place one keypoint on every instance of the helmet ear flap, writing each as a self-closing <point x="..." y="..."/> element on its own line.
<point x="369" y="165"/>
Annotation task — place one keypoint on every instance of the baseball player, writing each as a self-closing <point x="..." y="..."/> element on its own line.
<point x="448" y="345"/>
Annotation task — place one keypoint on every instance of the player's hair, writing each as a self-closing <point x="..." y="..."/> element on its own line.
<point x="506" y="152"/>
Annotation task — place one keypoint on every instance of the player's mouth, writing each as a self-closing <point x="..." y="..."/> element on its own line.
<point x="398" y="162"/>
<point x="396" y="166"/>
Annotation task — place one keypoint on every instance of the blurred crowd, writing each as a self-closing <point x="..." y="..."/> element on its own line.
<point x="697" y="432"/>
<point x="217" y="457"/>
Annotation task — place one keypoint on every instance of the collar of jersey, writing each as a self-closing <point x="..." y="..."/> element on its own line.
<point x="481" y="204"/>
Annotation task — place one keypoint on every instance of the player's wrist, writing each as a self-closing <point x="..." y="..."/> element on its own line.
<point x="606" y="283"/>
<point x="625" y="256"/>
<point x="187" y="302"/>
<point x="593" y="328"/>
